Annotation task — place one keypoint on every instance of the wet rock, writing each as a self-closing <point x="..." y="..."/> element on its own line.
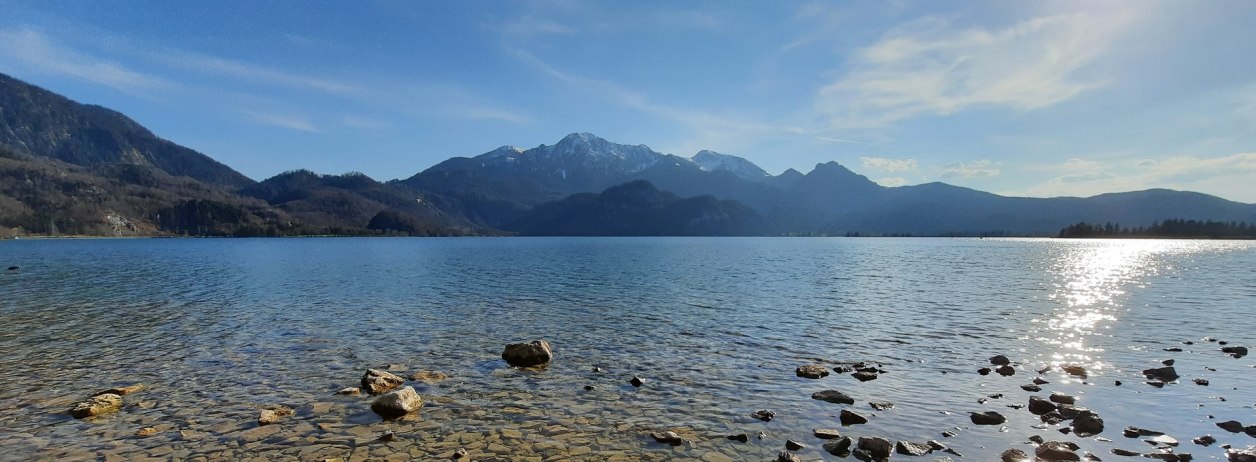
<point x="532" y="354"/>
<point x="1052" y="451"/>
<point x="1000" y="360"/>
<point x="1162" y="440"/>
<point x="1173" y="350"/>
<point x="786" y="456"/>
<point x="428" y="376"/>
<point x="881" y="405"/>
<point x="1117" y="383"/>
<point x="878" y="448"/>
<point x="1125" y="452"/>
<point x="1040" y="381"/>
<point x="984" y="371"/>
<point x="636" y="381"/>
<point x="1087" y="425"/>
<point x="377" y="381"/>
<point x="1235" y="351"/>
<point x="123" y="391"/>
<point x="850" y="418"/>
<point x="864" y="376"/>
<point x="1074" y="370"/>
<point x="1070" y="412"/>
<point x="912" y="449"/>
<point x="1052" y="418"/>
<point x="826" y="433"/>
<point x="1250" y="430"/>
<point x="1206" y="440"/>
<point x="103" y="403"/>
<point x="793" y="445"/>
<point x="1168" y="362"/>
<point x="273" y="415"/>
<point x="1005" y="370"/>
<point x="1156" y="383"/>
<point x="1241" y="455"/>
<point x="397" y="403"/>
<point x="147" y="432"/>
<point x="839" y="447"/>
<point x="667" y="438"/>
<point x="1014" y="455"/>
<point x="1163" y="374"/>
<point x="589" y="388"/>
<point x="1201" y="382"/>
<point x="987" y="418"/>
<point x="598" y="370"/>
<point x="1031" y="388"/>
<point x="740" y="437"/>
<point x="349" y="391"/>
<point x="1090" y="456"/>
<point x="764" y="415"/>
<point x="811" y="371"/>
<point x="833" y="396"/>
<point x="1135" y="432"/>
<point x="1039" y="406"/>
<point x="1062" y="398"/>
<point x="1232" y="426"/>
<point x="948" y="434"/>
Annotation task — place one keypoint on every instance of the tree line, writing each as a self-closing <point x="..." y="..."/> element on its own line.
<point x="1173" y="228"/>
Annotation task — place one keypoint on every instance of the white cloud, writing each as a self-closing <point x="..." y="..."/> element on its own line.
<point x="929" y="67"/>
<point x="33" y="49"/>
<point x="283" y="121"/>
<point x="892" y="181"/>
<point x="889" y="165"/>
<point x="977" y="168"/>
<point x="1227" y="176"/>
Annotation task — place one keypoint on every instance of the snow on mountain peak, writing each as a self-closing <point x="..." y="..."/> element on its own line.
<point x="711" y="161"/>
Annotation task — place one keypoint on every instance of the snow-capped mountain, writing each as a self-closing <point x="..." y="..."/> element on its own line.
<point x="711" y="161"/>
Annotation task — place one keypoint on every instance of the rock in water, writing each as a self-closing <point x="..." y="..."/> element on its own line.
<point x="850" y="418"/>
<point x="1206" y="440"/>
<point x="793" y="445"/>
<point x="1005" y="370"/>
<point x="1039" y="406"/>
<point x="1232" y="426"/>
<point x="536" y="353"/>
<point x="1235" y="351"/>
<point x="667" y="438"/>
<point x="636" y="381"/>
<point x="812" y="371"/>
<point x="123" y="391"/>
<point x="878" y="448"/>
<point x="103" y="403"/>
<point x="270" y="416"/>
<point x="377" y="381"/>
<point x="1163" y="374"/>
<point x="786" y="456"/>
<point x="1000" y="360"/>
<point x="740" y="437"/>
<point x="912" y="449"/>
<point x="764" y="415"/>
<point x="864" y="376"/>
<point x="1052" y="451"/>
<point x="839" y="447"/>
<point x="1062" y="398"/>
<point x="1087" y="425"/>
<point x="1014" y="455"/>
<point x="1241" y="455"/>
<point x="349" y="391"/>
<point x="833" y="396"/>
<point x="398" y="403"/>
<point x="826" y="433"/>
<point x="987" y="418"/>
<point x="881" y="405"/>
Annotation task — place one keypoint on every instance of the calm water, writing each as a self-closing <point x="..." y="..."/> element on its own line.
<point x="217" y="329"/>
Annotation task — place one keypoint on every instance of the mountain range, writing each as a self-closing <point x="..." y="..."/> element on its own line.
<point x="71" y="168"/>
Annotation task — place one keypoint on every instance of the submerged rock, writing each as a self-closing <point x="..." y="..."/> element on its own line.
<point x="864" y="376"/>
<point x="850" y="418"/>
<point x="833" y="396"/>
<point x="377" y="381"/>
<point x="667" y="438"/>
<point x="1031" y="388"/>
<point x="1201" y="382"/>
<point x="532" y="354"/>
<point x="1074" y="370"/>
<point x="764" y="415"/>
<point x="103" y="403"/>
<point x="881" y="405"/>
<point x="1206" y="440"/>
<point x="786" y="456"/>
<point x="636" y="381"/>
<point x="397" y="403"/>
<point x="1135" y="432"/>
<point x="812" y="371"/>
<point x="428" y="376"/>
<point x="740" y="437"/>
<point x="273" y="415"/>
<point x="987" y="418"/>
<point x="349" y="391"/>
<point x="1124" y="452"/>
<point x="1062" y="398"/>
<point x="1163" y="374"/>
<point x="123" y="391"/>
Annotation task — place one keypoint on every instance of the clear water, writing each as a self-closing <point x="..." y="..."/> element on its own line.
<point x="217" y="329"/>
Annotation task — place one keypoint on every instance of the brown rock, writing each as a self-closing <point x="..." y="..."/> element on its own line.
<point x="1014" y="455"/>
<point x="833" y="396"/>
<point x="103" y="403"/>
<point x="123" y="391"/>
<point x="147" y="432"/>
<point x="376" y="381"/>
<point x="1052" y="451"/>
<point x="532" y="354"/>
<point x="812" y="371"/>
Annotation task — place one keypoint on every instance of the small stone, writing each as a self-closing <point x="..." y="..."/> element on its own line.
<point x="850" y="418"/>
<point x="636" y="381"/>
<point x="1163" y="374"/>
<point x="826" y="433"/>
<point x="1074" y="370"/>
<point x="1173" y="350"/>
<point x="1040" y="381"/>
<point x="1135" y="432"/>
<point x="912" y="449"/>
<point x="1156" y="383"/>
<point x="532" y="354"/>
<point x="1056" y="451"/>
<point x="740" y="438"/>
<point x="1062" y="398"/>
<point x="812" y="371"/>
<point x="833" y="396"/>
<point x="1005" y="370"/>
<point x="589" y="388"/>
<point x="1124" y="452"/>
<point x="987" y="418"/>
<point x="1070" y="412"/>
<point x="598" y="370"/>
<point x="147" y="432"/>
<point x="103" y="403"/>
<point x="1201" y="382"/>
<point x="377" y="381"/>
<point x="1000" y="360"/>
<point x="764" y="415"/>
<point x="1232" y="426"/>
<point x="349" y="391"/>
<point x="1206" y="440"/>
<point x="398" y="403"/>
<point x="1031" y="388"/>
<point x="1235" y="351"/>
<point x="667" y="438"/>
<point x="793" y="445"/>
<point x="270" y="416"/>
<point x="948" y="434"/>
<point x="1168" y="362"/>
<point x="1014" y="455"/>
<point x="1241" y="455"/>
<point x="1250" y="430"/>
<point x="1117" y="383"/>
<point x="984" y="371"/>
<point x="786" y="456"/>
<point x="1037" y="439"/>
<point x="881" y="405"/>
<point x="839" y="447"/>
<point x="864" y="376"/>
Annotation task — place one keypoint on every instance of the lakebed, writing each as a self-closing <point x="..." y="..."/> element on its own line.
<point x="218" y="330"/>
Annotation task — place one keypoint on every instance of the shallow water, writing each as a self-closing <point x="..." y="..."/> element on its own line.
<point x="216" y="329"/>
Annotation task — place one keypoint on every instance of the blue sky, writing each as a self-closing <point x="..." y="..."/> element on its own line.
<point x="1018" y="98"/>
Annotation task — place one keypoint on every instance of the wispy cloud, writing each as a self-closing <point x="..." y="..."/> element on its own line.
<point x="42" y="54"/>
<point x="283" y="121"/>
<point x="253" y="73"/>
<point x="831" y="139"/>
<point x="931" y="67"/>
<point x="892" y="181"/>
<point x="977" y="168"/>
<point x="889" y="165"/>
<point x="530" y="25"/>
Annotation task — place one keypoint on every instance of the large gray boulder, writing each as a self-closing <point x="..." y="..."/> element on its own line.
<point x="535" y="353"/>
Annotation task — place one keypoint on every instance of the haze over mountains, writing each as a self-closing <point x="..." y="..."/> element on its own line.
<point x="69" y="168"/>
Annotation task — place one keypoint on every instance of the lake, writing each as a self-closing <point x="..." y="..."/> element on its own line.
<point x="217" y="329"/>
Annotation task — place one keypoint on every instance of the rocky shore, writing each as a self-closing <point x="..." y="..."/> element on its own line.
<point x="383" y="416"/>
